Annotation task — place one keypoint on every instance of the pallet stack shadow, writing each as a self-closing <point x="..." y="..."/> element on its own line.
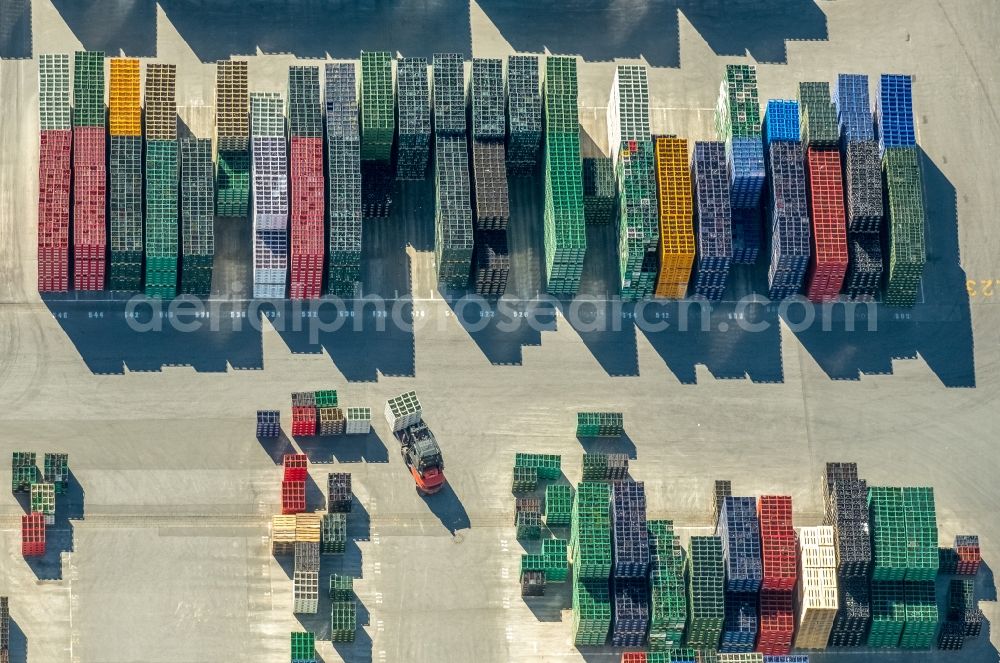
<point x="788" y="210"/>
<point x="863" y="187"/>
<point x="378" y="127"/>
<point x="779" y="574"/>
<point x="55" y="141"/>
<point x="904" y="189"/>
<point x="343" y="180"/>
<point x="42" y="489"/>
<point x="739" y="529"/>
<point x="413" y="101"/>
<point x="125" y="176"/>
<point x="232" y="138"/>
<point x="738" y="125"/>
<point x="677" y="243"/>
<point x="162" y="169"/>
<point x="319" y="413"/>
<point x="197" y="216"/>
<point x="564" y="236"/>
<point x="632" y="151"/>
<point x="524" y="115"/>
<point x="825" y="186"/>
<point x="846" y="500"/>
<point x="713" y="232"/>
<point x="269" y="174"/>
<point x="89" y="172"/>
<point x="305" y="125"/>
<point x="453" y="226"/>
<point x="491" y="201"/>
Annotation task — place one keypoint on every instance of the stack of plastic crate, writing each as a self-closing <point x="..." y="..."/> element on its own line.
<point x="162" y="170"/>
<point x="55" y="470"/>
<point x="633" y="153"/>
<point x="863" y="186"/>
<point x="55" y="144"/>
<point x="739" y="529"/>
<point x="378" y="126"/>
<point x="630" y="548"/>
<point x="713" y="236"/>
<point x="343" y="609"/>
<point x="964" y="618"/>
<point x="667" y="592"/>
<point x="605" y="467"/>
<point x="413" y="98"/>
<point x="789" y="210"/>
<point x="558" y="505"/>
<point x="453" y="225"/>
<point x="556" y="560"/>
<point x="43" y="501"/>
<point x="4" y="630"/>
<point x="739" y="631"/>
<point x="921" y="615"/>
<point x="599" y="190"/>
<point x="828" y="257"/>
<point x="524" y="114"/>
<point x="305" y="578"/>
<point x="677" y="243"/>
<point x="32" y="535"/>
<point x="817" y="600"/>
<point x="268" y="424"/>
<point x="303" y="647"/>
<point x="24" y="471"/>
<point x="232" y="136"/>
<point x="706" y="593"/>
<point x="968" y="554"/>
<point x="638" y="220"/>
<point x="343" y="181"/>
<point x="305" y="124"/>
<point x="905" y="209"/>
<point x="125" y="176"/>
<point x="779" y="572"/>
<point x="564" y="232"/>
<point x="269" y="171"/>
<point x="89" y="171"/>
<point x="846" y="497"/>
<point x="295" y="468"/>
<point x="528" y="518"/>
<point x="339" y="495"/>
<point x="590" y="546"/>
<point x="818" y="115"/>
<point x="922" y="565"/>
<point x="491" y="198"/>
<point x="738" y="124"/>
<point x="889" y="560"/>
<point x="197" y="216"/>
<point x="600" y="424"/>
<point x="333" y="534"/>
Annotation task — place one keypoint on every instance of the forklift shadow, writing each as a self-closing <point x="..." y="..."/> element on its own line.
<point x="448" y="508"/>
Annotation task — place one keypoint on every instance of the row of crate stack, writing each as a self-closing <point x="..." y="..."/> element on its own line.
<point x="4" y="630"/>
<point x="802" y="179"/>
<point x="316" y="413"/>
<point x="758" y="586"/>
<point x="42" y="488"/>
<point x="309" y="535"/>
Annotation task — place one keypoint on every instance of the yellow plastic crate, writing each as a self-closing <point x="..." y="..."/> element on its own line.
<point x="125" y="111"/>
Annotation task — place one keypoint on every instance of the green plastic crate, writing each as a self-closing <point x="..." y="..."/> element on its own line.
<point x="599" y="424"/>
<point x="549" y="466"/>
<point x="818" y="115"/>
<point x="591" y="612"/>
<point x="921" y="615"/>
<point x="343" y="621"/>
<point x="303" y="647"/>
<point x="333" y="533"/>
<point x="558" y="505"/>
<point x="556" y="560"/>
<point x="888" y="614"/>
<point x="341" y="587"/>
<point x="326" y="398"/>
<point x="232" y="183"/>
<point x="920" y="520"/>
<point x="529" y="525"/>
<point x="378" y="106"/>
<point x="889" y="557"/>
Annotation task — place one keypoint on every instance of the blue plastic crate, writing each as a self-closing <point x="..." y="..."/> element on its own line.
<point x="854" y="112"/>
<point x="894" y="112"/>
<point x="781" y="121"/>
<point x="741" y="623"/>
<point x="794" y="658"/>
<point x="630" y="613"/>
<point x="745" y="164"/>
<point x="630" y="536"/>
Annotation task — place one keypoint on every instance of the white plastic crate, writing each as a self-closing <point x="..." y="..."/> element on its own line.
<point x="305" y="592"/>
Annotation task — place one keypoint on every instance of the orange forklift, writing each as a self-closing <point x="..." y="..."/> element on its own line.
<point x="417" y="446"/>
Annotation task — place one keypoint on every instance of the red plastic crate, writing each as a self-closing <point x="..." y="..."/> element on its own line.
<point x="777" y="623"/>
<point x="296" y="467"/>
<point x="779" y="548"/>
<point x="633" y="657"/>
<point x="307" y="217"/>
<point x="89" y="204"/>
<point x="293" y="497"/>
<point x="32" y="535"/>
<point x="828" y="259"/>
<point x="969" y="559"/>
<point x="303" y="421"/>
<point x="54" y="148"/>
